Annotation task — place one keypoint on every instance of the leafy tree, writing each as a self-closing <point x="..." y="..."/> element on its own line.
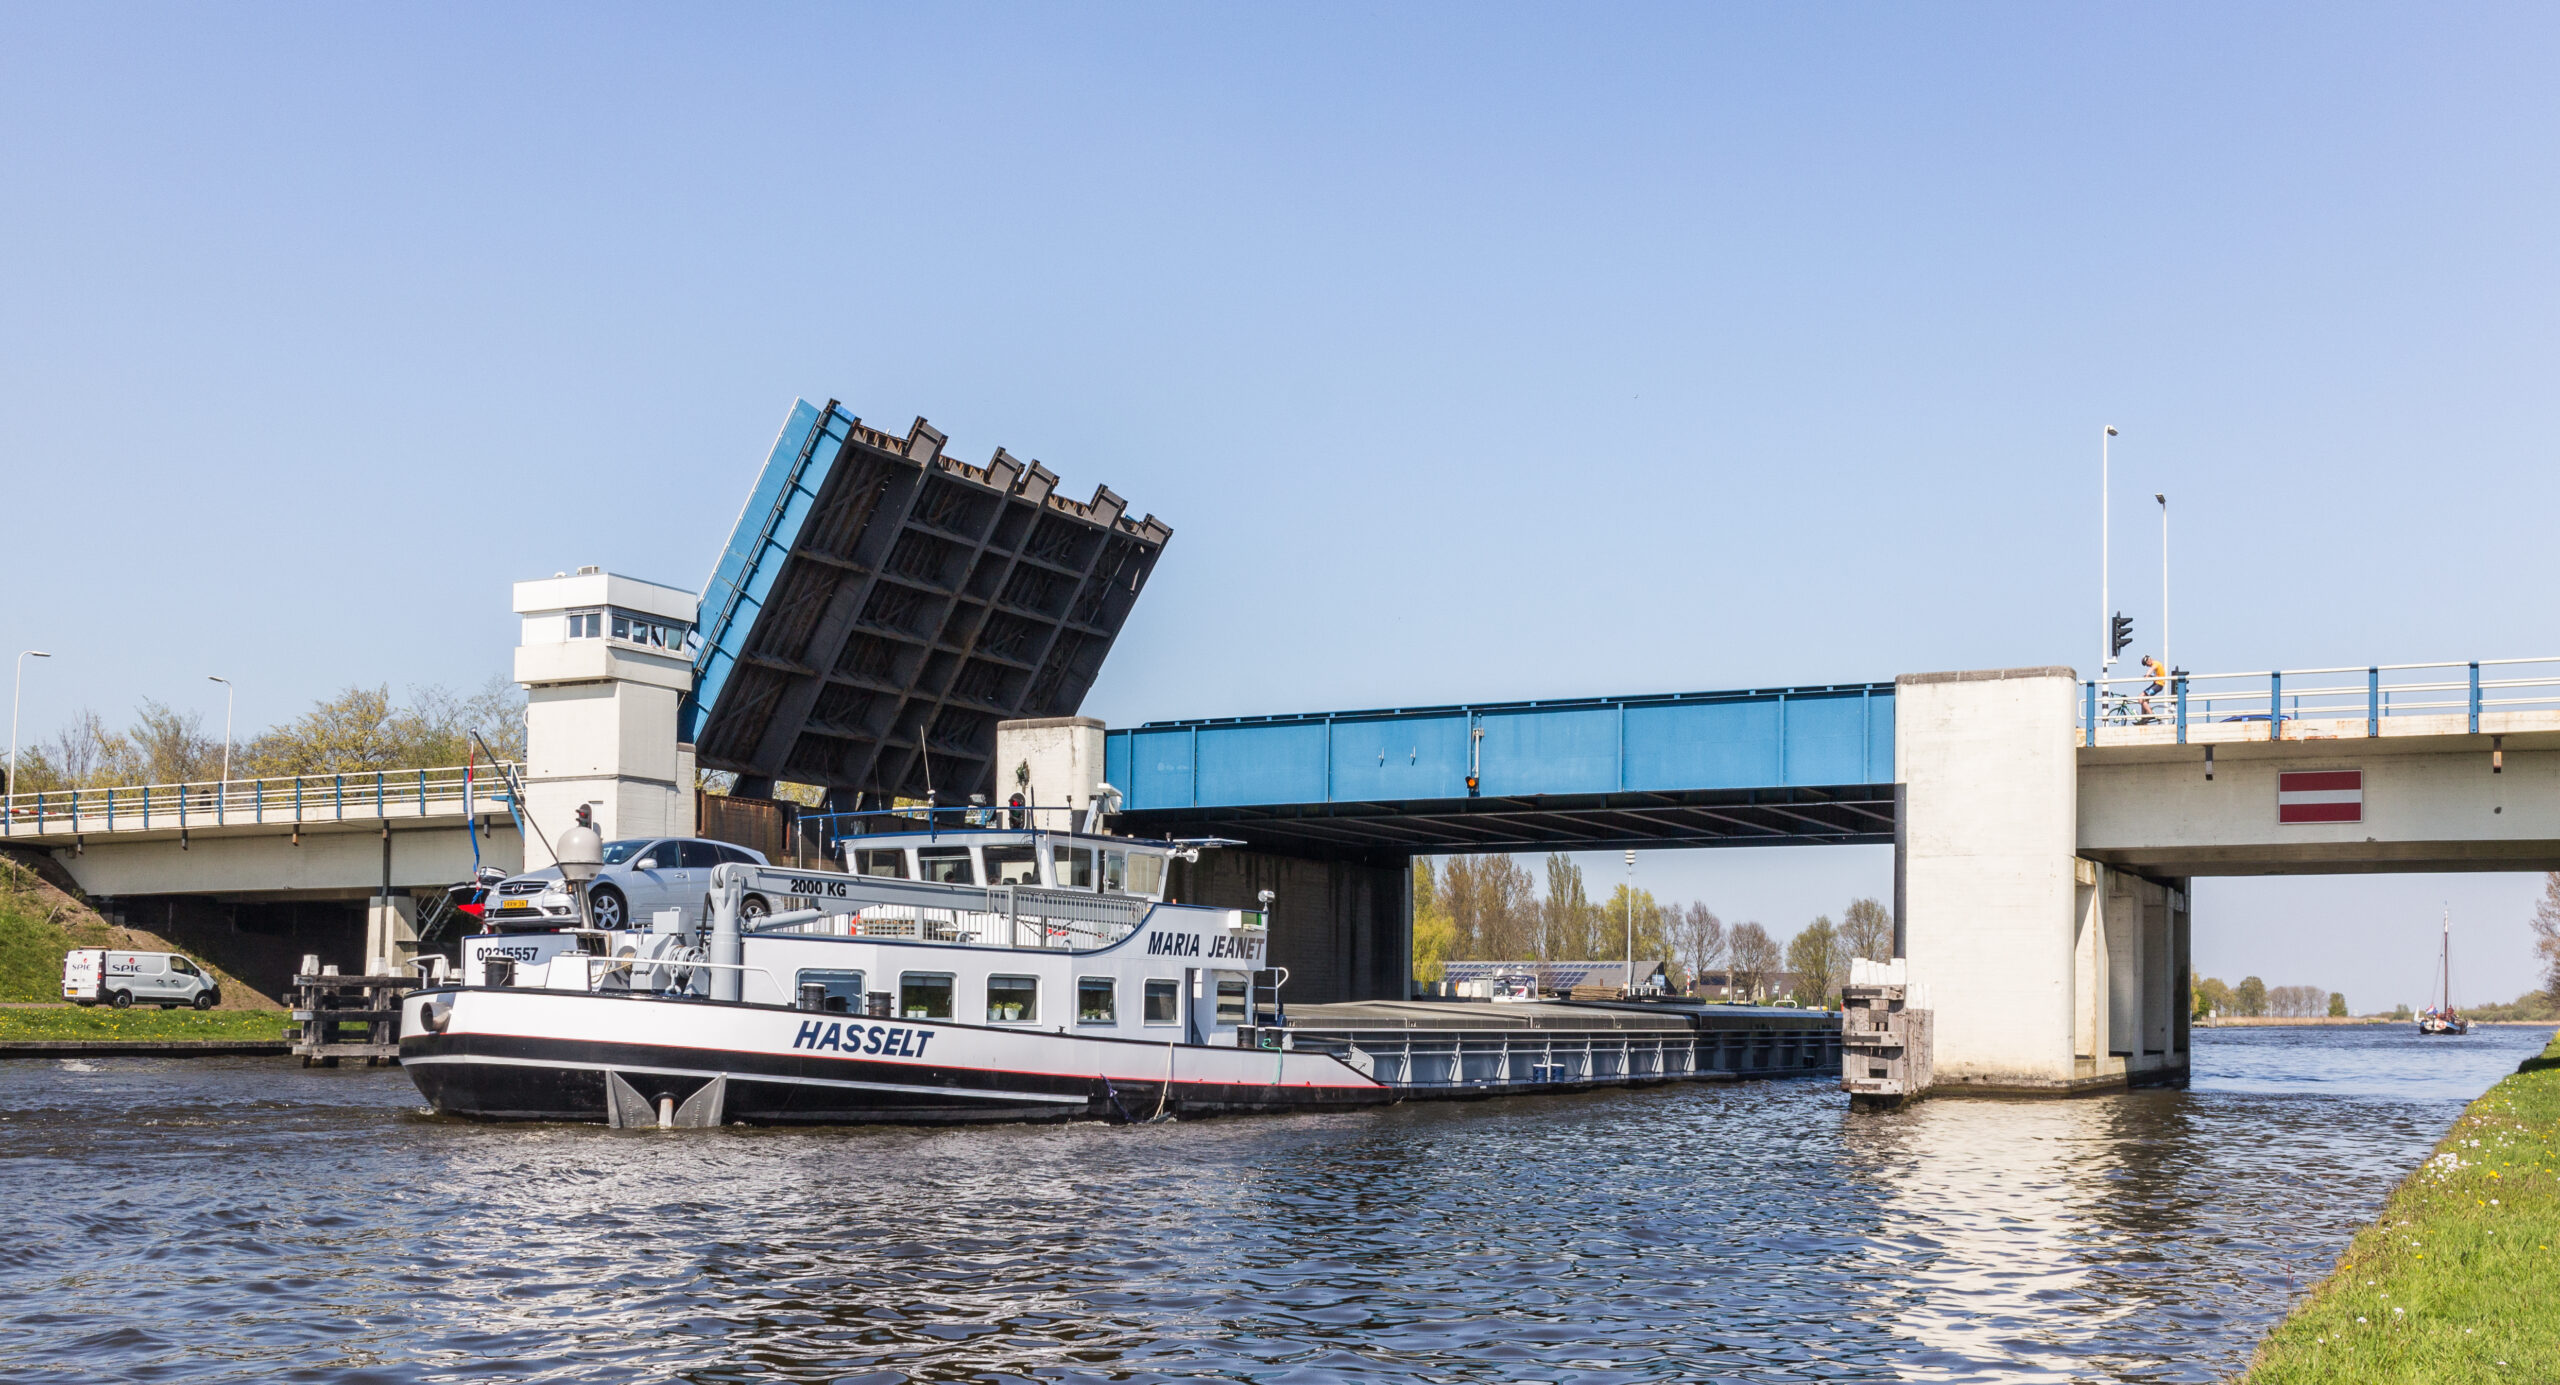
<point x="2209" y="996"/>
<point x="1866" y="930"/>
<point x="1755" y="959"/>
<point x="1820" y="963"/>
<point x="2546" y="934"/>
<point x="1493" y="909"/>
<point x="1434" y="932"/>
<point x="362" y="729"/>
<point x="1697" y="939"/>
<point x="1569" y="926"/>
<point x="1652" y="925"/>
<point x="2249" y="997"/>
<point x="2337" y="1005"/>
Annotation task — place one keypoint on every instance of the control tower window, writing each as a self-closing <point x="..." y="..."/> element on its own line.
<point x="586" y="625"/>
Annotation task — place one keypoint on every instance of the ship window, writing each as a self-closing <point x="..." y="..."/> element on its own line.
<point x="1013" y="865"/>
<point x="1097" y="1000"/>
<point x="1013" y="999"/>
<point x="1231" y="998"/>
<point x="945" y="865"/>
<point x="1071" y="867"/>
<point x="1146" y="873"/>
<point x="1115" y="870"/>
<point x="844" y="989"/>
<point x="924" y="995"/>
<point x="889" y="862"/>
<point x="1164" y="1002"/>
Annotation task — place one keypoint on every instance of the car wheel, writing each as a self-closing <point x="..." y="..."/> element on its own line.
<point x="752" y="909"/>
<point x="122" y="1000"/>
<point x="204" y="1000"/>
<point x="605" y="904"/>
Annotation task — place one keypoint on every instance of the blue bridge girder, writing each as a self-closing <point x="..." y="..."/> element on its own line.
<point x="1767" y="766"/>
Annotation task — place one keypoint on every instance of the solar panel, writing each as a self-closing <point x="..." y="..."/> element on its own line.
<point x="881" y="606"/>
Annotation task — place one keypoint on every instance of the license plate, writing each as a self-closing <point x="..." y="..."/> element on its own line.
<point x="516" y="904"/>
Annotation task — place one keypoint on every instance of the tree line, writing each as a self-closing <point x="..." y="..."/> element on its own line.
<point x="1492" y="909"/>
<point x="2254" y="999"/>
<point x="360" y="729"/>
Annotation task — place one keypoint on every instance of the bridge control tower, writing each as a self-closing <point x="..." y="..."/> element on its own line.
<point x="606" y="661"/>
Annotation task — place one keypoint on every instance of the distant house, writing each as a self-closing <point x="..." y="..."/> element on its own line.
<point x="1651" y="978"/>
<point x="1721" y="985"/>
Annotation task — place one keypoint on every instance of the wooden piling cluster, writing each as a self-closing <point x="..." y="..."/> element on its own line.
<point x="326" y="1005"/>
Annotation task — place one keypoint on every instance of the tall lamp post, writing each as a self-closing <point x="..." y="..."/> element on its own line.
<point x="227" y="696"/>
<point x="17" y="682"/>
<point x="1631" y="923"/>
<point x="2163" y="498"/>
<point x="2106" y="629"/>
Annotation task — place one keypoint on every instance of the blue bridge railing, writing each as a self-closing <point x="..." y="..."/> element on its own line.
<point x="2290" y="704"/>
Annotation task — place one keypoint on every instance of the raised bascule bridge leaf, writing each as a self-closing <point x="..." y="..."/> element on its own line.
<point x="881" y="606"/>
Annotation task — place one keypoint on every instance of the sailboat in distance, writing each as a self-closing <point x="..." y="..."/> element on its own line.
<point x="2440" y="1018"/>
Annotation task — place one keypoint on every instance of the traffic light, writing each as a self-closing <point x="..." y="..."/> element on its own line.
<point x="2119" y="634"/>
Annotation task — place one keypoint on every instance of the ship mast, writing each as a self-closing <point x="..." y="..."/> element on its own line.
<point x="2444" y="966"/>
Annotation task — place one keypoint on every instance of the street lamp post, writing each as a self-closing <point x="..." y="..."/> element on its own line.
<point x="1631" y="923"/>
<point x="2163" y="498"/>
<point x="17" y="683"/>
<point x="2106" y="629"/>
<point x="228" y="693"/>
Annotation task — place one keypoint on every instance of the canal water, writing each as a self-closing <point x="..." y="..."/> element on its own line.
<point x="219" y="1220"/>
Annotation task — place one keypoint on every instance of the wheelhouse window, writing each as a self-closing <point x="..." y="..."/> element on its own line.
<point x="889" y="862"/>
<point x="1071" y="867"/>
<point x="1164" y="1001"/>
<point x="1097" y="1000"/>
<point x="924" y="995"/>
<point x="1013" y="865"/>
<point x="1146" y="873"/>
<point x="945" y="865"/>
<point x="1115" y="871"/>
<point x="844" y="989"/>
<point x="1013" y="999"/>
<point x="1233" y="990"/>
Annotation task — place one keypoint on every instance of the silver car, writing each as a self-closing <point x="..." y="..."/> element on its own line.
<point x="641" y="877"/>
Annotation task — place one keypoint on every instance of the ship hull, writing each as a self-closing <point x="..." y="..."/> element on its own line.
<point x="528" y="1054"/>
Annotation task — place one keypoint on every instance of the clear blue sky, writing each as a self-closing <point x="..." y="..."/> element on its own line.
<point x="1472" y="352"/>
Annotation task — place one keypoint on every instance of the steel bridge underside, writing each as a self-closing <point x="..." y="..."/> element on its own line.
<point x="1837" y="815"/>
<point x="1756" y="767"/>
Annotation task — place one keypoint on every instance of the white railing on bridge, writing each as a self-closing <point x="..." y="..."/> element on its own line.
<point x="2286" y="704"/>
<point x="288" y="800"/>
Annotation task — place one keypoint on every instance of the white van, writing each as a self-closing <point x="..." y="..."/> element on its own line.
<point x="104" y="976"/>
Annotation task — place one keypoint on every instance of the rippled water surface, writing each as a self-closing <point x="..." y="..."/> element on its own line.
<point x="248" y="1220"/>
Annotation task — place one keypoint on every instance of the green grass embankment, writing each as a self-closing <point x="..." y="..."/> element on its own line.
<point x="2457" y="1278"/>
<point x="140" y="1022"/>
<point x="37" y="925"/>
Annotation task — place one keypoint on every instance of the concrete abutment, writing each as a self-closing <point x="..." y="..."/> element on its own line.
<point x="2047" y="973"/>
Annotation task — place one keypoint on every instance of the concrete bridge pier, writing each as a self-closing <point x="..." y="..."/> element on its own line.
<point x="2048" y="973"/>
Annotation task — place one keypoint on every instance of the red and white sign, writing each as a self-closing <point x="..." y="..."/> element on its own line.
<point x="2320" y="795"/>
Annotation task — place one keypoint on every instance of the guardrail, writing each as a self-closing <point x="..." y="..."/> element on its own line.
<point x="292" y="800"/>
<point x="2333" y="699"/>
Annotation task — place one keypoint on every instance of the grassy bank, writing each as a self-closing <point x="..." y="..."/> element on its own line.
<point x="2456" y="1279"/>
<point x="72" y="1022"/>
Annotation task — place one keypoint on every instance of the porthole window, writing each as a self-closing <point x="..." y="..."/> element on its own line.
<point x="1097" y="1000"/>
<point x="1013" y="999"/>
<point x="924" y="995"/>
<point x="1164" y="1001"/>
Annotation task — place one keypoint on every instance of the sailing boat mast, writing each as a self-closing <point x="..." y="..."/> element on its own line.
<point x="2444" y="965"/>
